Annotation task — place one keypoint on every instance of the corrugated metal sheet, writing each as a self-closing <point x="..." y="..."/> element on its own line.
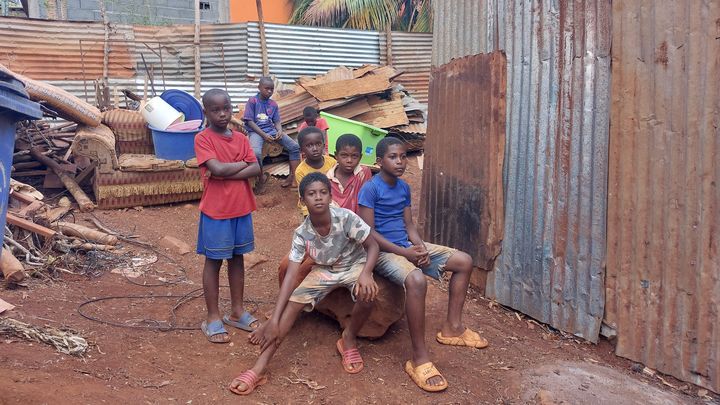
<point x="462" y="188"/>
<point x="411" y="53"/>
<point x="295" y="51"/>
<point x="464" y="27"/>
<point x="663" y="285"/>
<point x="50" y="50"/>
<point x="553" y="251"/>
<point x="219" y="43"/>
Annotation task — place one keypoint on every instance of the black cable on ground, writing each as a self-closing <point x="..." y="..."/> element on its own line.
<point x="154" y="324"/>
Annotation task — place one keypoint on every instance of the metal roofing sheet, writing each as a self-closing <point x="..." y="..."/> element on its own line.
<point x="663" y="267"/>
<point x="462" y="174"/>
<point x="295" y="51"/>
<point x="50" y="50"/>
<point x="464" y="27"/>
<point x="411" y="54"/>
<point x="551" y="264"/>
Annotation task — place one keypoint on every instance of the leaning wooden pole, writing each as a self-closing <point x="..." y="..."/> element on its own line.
<point x="196" y="48"/>
<point x="263" y="42"/>
<point x="82" y="199"/>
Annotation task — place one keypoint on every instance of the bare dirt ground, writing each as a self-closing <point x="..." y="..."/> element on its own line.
<point x="525" y="363"/>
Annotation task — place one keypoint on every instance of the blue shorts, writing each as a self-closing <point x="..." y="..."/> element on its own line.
<point x="224" y="238"/>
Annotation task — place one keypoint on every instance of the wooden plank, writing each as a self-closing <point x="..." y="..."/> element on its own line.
<point x="385" y="114"/>
<point x="22" y="197"/>
<point x="348" y="88"/>
<point x="333" y="75"/>
<point x="13" y="219"/>
<point x="353" y="109"/>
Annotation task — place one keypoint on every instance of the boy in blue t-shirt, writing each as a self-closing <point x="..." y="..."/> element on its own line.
<point x="384" y="204"/>
<point x="262" y="118"/>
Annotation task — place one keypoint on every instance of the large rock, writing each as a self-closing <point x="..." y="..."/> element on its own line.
<point x="389" y="303"/>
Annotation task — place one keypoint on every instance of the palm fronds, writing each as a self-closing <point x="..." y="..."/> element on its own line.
<point x="405" y="15"/>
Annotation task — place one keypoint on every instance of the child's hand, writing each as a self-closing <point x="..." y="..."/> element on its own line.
<point x="366" y="289"/>
<point x="416" y="254"/>
<point x="269" y="335"/>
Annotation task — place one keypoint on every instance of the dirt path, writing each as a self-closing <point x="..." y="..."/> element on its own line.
<point x="146" y="366"/>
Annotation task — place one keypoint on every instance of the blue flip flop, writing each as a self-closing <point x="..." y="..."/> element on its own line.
<point x="212" y="329"/>
<point x="243" y="323"/>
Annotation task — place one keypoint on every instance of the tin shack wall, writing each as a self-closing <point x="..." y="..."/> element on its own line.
<point x="462" y="192"/>
<point x="551" y="266"/>
<point x="663" y="267"/>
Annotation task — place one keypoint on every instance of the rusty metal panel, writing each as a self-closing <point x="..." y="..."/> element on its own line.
<point x="50" y="50"/>
<point x="552" y="261"/>
<point x="464" y="27"/>
<point x="411" y="54"/>
<point x="663" y="284"/>
<point x="462" y="193"/>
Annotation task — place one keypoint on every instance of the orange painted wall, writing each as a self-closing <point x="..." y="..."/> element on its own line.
<point x="274" y="11"/>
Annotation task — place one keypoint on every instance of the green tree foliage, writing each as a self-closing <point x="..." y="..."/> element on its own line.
<point x="376" y="15"/>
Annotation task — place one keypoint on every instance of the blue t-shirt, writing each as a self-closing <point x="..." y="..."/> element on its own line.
<point x="389" y="204"/>
<point x="265" y="113"/>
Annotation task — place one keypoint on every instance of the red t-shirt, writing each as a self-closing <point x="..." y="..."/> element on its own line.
<point x="224" y="199"/>
<point x="347" y="197"/>
<point x="319" y="123"/>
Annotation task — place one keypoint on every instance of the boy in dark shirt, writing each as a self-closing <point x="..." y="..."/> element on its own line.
<point x="262" y="118"/>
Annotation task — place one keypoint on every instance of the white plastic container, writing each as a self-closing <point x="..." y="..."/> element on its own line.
<point x="160" y="114"/>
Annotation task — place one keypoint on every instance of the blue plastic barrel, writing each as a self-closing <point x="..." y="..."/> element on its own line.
<point x="178" y="145"/>
<point x="14" y="106"/>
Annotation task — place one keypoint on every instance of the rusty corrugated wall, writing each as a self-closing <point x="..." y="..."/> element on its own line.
<point x="462" y="188"/>
<point x="552" y="261"/>
<point x="663" y="283"/>
<point x="50" y="50"/>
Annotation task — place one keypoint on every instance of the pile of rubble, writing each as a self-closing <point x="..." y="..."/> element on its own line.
<point x="368" y="94"/>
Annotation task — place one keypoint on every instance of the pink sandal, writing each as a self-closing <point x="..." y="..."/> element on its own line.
<point x="250" y="379"/>
<point x="350" y="356"/>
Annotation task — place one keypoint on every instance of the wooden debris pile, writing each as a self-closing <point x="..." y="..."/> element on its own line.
<point x="41" y="240"/>
<point x="367" y="94"/>
<point x="43" y="149"/>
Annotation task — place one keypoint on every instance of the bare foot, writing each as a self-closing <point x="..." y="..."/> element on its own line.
<point x="254" y="336"/>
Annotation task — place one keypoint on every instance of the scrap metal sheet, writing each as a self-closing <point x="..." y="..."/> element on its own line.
<point x="462" y="193"/>
<point x="663" y="284"/>
<point x="553" y="253"/>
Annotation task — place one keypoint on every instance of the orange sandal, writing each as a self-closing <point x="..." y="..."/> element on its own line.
<point x="250" y="379"/>
<point x="422" y="373"/>
<point x="468" y="338"/>
<point x="350" y="356"/>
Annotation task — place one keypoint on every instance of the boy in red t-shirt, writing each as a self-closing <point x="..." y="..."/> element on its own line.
<point x="311" y="118"/>
<point x="225" y="231"/>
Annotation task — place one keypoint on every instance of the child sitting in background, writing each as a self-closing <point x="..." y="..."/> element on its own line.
<point x="262" y="120"/>
<point x="225" y="231"/>
<point x="344" y="252"/>
<point x="312" y="144"/>
<point x="348" y="176"/>
<point x="311" y="118"/>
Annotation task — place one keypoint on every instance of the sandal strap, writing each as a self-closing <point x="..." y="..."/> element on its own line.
<point x="247" y="319"/>
<point x="428" y="371"/>
<point x="352" y="356"/>
<point x="248" y="377"/>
